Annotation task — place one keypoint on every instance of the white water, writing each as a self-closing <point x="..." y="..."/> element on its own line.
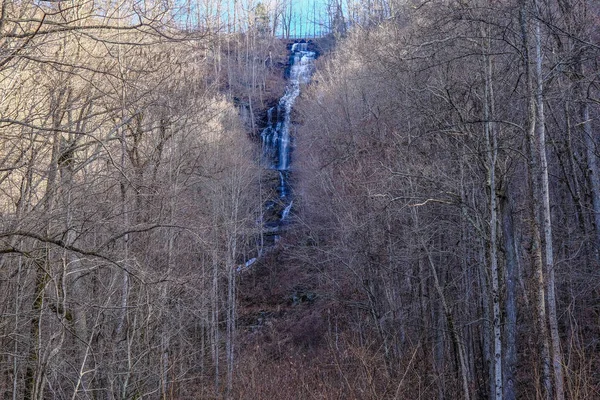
<point x="277" y="141"/>
<point x="246" y="265"/>
<point x="276" y="137"/>
<point x="283" y="192"/>
<point x="286" y="211"/>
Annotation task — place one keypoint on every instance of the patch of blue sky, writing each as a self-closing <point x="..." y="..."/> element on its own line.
<point x="298" y="18"/>
<point x="308" y="18"/>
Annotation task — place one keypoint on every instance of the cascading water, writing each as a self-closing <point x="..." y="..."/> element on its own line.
<point x="277" y="144"/>
<point x="276" y="138"/>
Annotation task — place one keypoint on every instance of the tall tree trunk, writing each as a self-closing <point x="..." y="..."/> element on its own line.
<point x="557" y="363"/>
<point x="215" y="310"/>
<point x="535" y="194"/>
<point x="592" y="160"/>
<point x="492" y="155"/>
<point x="454" y="334"/>
<point x="510" y="306"/>
<point x="35" y="373"/>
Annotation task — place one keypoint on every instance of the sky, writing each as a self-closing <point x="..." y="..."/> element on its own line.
<point x="308" y="16"/>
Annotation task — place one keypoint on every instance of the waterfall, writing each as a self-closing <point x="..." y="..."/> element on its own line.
<point x="277" y="146"/>
<point x="277" y="140"/>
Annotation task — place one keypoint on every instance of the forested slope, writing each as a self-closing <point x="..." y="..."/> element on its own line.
<point x="445" y="230"/>
<point x="128" y="194"/>
<point x="449" y="178"/>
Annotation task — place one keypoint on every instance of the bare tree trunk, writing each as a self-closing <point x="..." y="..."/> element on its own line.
<point x="231" y="301"/>
<point x="510" y="306"/>
<point x="492" y="155"/>
<point x="535" y="194"/>
<point x="592" y="164"/>
<point x="35" y="373"/>
<point x="455" y="337"/>
<point x="557" y="362"/>
<point x="215" y="309"/>
<point x="570" y="172"/>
